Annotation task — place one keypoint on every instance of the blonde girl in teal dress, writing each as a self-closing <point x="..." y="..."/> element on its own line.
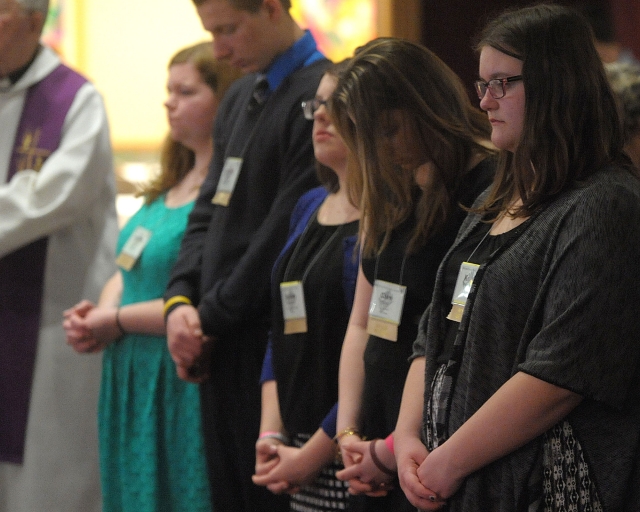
<point x="151" y="445"/>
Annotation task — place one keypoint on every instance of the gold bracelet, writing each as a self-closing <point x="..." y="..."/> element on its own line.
<point x="351" y="431"/>
<point x="175" y="300"/>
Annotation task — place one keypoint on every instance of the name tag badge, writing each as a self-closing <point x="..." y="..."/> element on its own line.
<point x="293" y="310"/>
<point x="228" y="180"/>
<point x="385" y="309"/>
<point x="461" y="292"/>
<point x="133" y="248"/>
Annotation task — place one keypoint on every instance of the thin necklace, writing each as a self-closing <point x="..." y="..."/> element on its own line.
<point x="324" y="247"/>
<point x="479" y="244"/>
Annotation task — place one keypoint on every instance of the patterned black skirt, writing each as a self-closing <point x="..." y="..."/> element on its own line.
<point x="326" y="493"/>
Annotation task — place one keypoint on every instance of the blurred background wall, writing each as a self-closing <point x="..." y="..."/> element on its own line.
<point x="448" y="27"/>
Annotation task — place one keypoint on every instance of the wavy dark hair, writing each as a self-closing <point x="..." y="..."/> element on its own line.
<point x="571" y="126"/>
<point x="387" y="75"/>
<point x="176" y="160"/>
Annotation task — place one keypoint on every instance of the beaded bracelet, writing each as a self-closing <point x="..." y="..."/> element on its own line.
<point x="377" y="461"/>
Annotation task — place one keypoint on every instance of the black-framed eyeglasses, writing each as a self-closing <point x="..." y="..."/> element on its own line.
<point x="309" y="107"/>
<point x="497" y="86"/>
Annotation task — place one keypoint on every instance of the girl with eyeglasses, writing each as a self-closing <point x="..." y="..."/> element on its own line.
<point x="525" y="380"/>
<point x="313" y="283"/>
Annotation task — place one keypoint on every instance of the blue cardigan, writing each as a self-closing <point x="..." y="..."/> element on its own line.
<point x="307" y="205"/>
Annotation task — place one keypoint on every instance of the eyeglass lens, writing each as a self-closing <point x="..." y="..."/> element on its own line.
<point x="309" y="107"/>
<point x="496" y="86"/>
<point x="496" y="89"/>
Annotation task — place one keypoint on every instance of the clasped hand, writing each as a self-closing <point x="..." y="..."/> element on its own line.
<point x="421" y="476"/>
<point x="280" y="468"/>
<point x="360" y="471"/>
<point x="185" y="341"/>
<point x="90" y="328"/>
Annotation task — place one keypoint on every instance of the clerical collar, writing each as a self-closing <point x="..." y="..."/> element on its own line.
<point x="8" y="81"/>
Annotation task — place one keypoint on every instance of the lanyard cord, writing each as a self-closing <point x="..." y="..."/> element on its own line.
<point x="375" y="272"/>
<point x="479" y="244"/>
<point x="324" y="247"/>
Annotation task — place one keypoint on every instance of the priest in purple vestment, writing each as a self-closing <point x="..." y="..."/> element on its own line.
<point x="57" y="232"/>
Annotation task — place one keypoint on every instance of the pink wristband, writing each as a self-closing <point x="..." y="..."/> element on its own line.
<point x="268" y="433"/>
<point x="389" y="442"/>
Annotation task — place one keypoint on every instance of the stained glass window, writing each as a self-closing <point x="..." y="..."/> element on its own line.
<point x="339" y="26"/>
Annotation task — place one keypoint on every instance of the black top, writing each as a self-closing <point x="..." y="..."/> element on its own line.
<point x="386" y="362"/>
<point x="306" y="364"/>
<point x="476" y="249"/>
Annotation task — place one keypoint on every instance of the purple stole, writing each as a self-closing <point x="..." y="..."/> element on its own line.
<point x="22" y="272"/>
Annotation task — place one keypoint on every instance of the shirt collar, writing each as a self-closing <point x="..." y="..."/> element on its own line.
<point x="302" y="53"/>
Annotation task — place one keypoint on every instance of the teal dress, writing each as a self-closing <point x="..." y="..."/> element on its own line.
<point x="151" y="444"/>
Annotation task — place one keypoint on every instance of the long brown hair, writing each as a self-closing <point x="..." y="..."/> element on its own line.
<point x="571" y="127"/>
<point x="387" y="75"/>
<point x="176" y="160"/>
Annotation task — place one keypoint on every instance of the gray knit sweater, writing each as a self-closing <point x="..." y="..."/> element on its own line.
<point x="560" y="303"/>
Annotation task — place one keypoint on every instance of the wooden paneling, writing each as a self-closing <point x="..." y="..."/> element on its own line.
<point x="626" y="14"/>
<point x="400" y="18"/>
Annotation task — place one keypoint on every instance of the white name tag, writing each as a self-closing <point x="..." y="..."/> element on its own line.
<point x="293" y="308"/>
<point x="228" y="180"/>
<point x="385" y="309"/>
<point x="133" y="248"/>
<point x="462" y="289"/>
